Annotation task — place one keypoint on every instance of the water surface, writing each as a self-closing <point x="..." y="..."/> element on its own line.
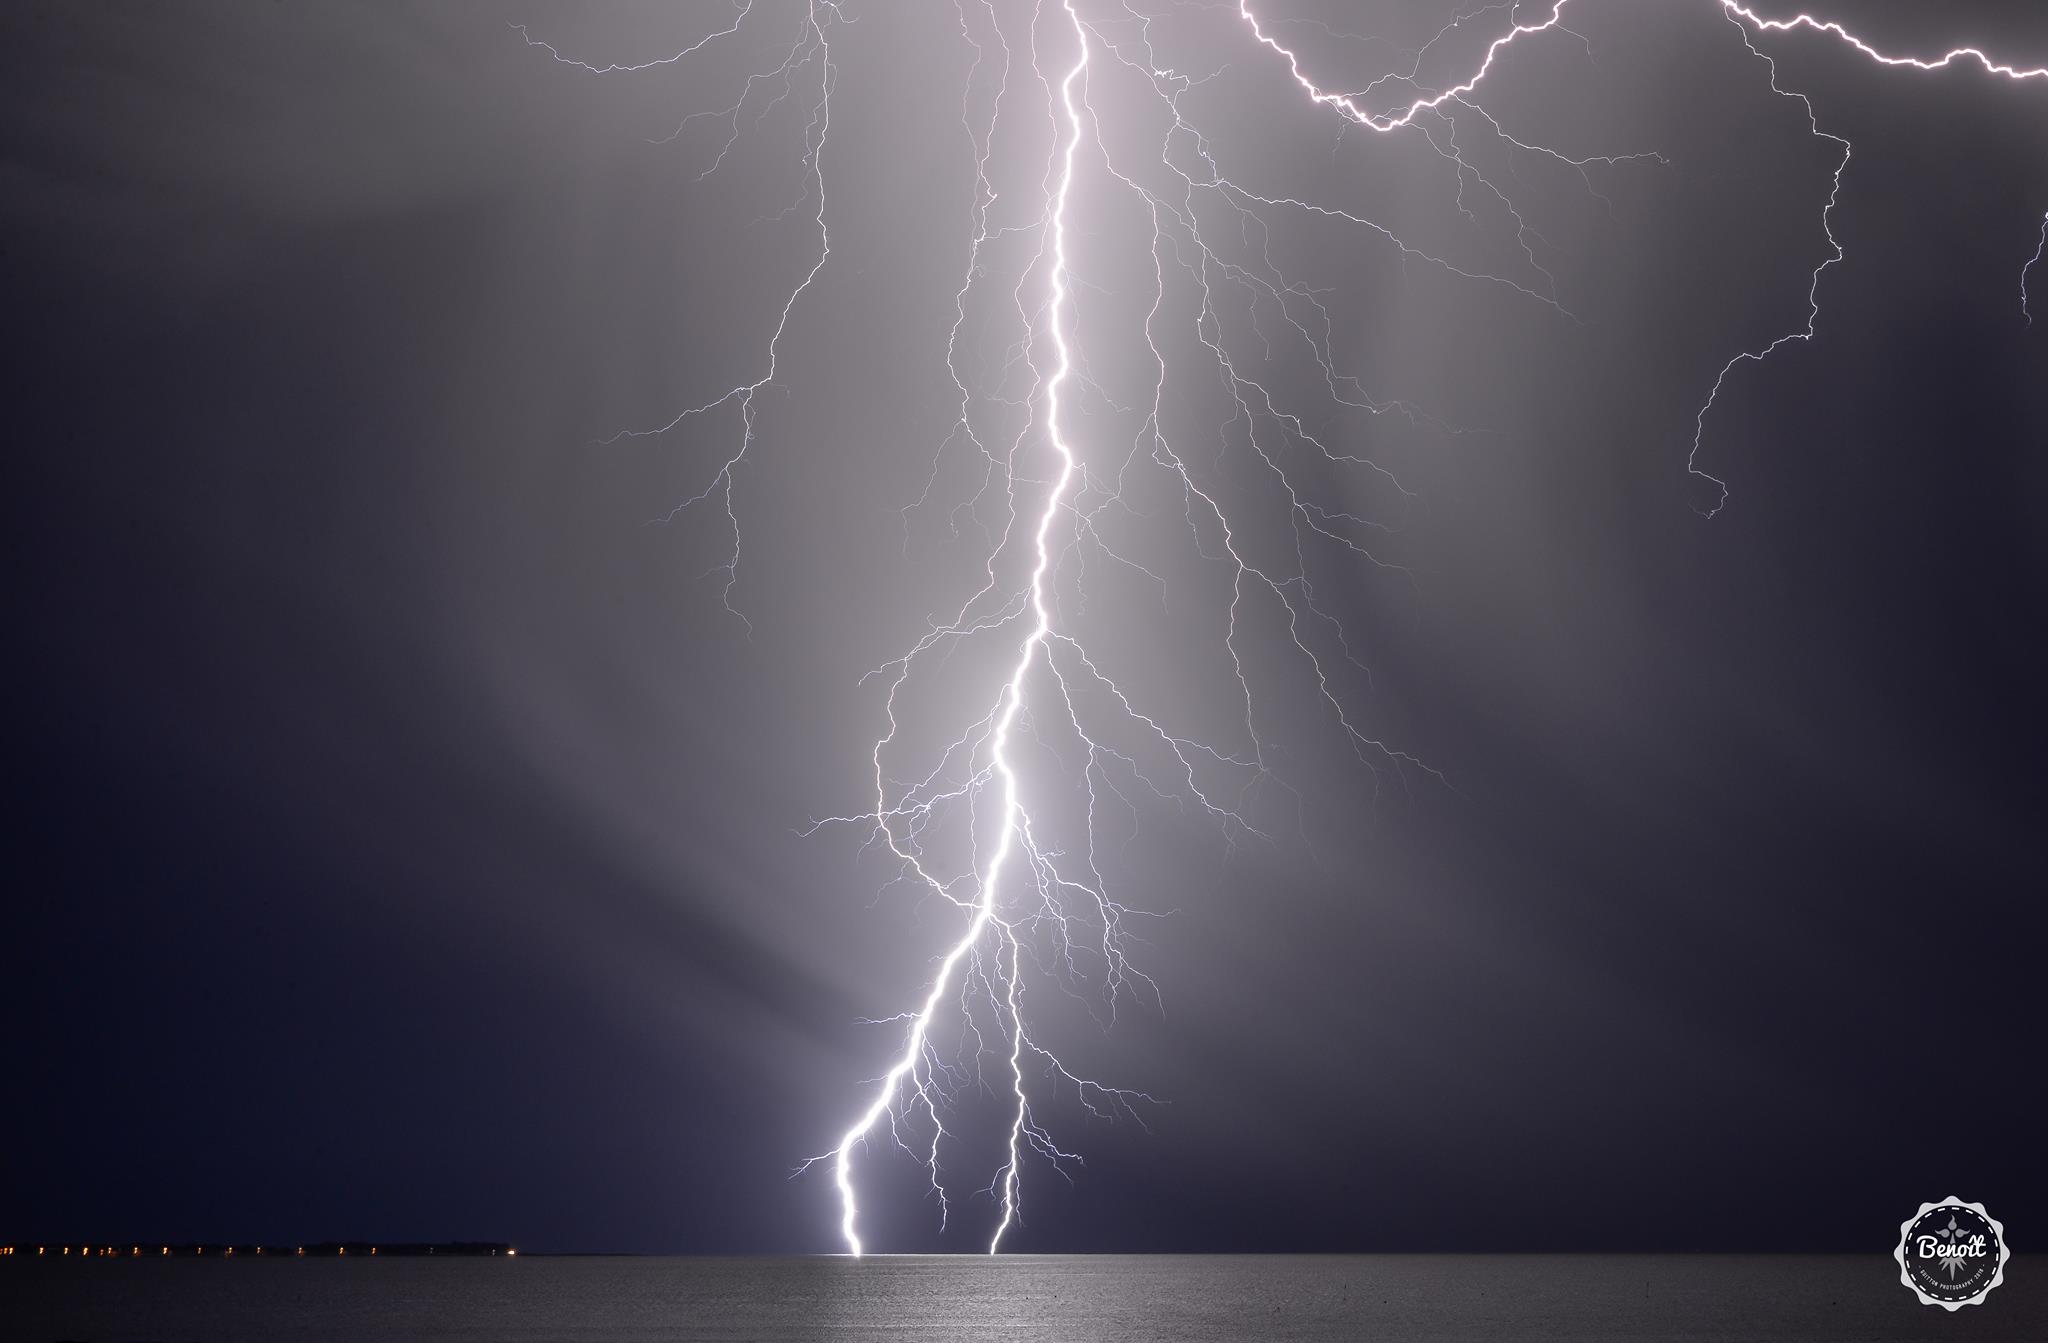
<point x="1067" y="1299"/>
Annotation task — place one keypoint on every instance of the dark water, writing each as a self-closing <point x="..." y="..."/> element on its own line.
<point x="1073" y="1299"/>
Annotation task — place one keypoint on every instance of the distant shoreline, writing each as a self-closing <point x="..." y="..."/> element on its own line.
<point x="325" y="1249"/>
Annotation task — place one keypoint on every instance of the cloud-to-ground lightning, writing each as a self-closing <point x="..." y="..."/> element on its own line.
<point x="1010" y="820"/>
<point x="1000" y="824"/>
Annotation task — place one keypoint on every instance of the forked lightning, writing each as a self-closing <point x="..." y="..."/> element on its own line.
<point x="981" y="824"/>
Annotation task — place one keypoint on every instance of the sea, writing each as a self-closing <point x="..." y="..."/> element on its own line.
<point x="1056" y="1298"/>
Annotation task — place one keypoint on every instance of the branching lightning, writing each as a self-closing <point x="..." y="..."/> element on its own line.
<point x="2040" y="249"/>
<point x="1001" y="824"/>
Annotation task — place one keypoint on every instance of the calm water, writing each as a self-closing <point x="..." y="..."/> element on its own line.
<point x="1073" y="1299"/>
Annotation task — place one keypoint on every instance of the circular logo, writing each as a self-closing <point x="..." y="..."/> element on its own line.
<point x="1951" y="1253"/>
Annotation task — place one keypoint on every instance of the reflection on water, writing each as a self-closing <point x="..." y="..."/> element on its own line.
<point x="1071" y="1299"/>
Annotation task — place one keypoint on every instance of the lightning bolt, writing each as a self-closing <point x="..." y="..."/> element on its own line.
<point x="1011" y="821"/>
<point x="1003" y="823"/>
<point x="1833" y="29"/>
<point x="2040" y="249"/>
<point x="810" y="50"/>
<point x="1741" y="14"/>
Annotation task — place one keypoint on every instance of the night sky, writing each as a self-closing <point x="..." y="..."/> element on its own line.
<point x="407" y="840"/>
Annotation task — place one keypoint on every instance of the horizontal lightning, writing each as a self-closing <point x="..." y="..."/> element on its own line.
<point x="1833" y="29"/>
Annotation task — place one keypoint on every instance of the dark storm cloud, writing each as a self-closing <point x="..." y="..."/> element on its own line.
<point x="408" y="836"/>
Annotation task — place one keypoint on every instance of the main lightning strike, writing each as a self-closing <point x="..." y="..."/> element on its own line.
<point x="1030" y="902"/>
<point x="1012" y="696"/>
